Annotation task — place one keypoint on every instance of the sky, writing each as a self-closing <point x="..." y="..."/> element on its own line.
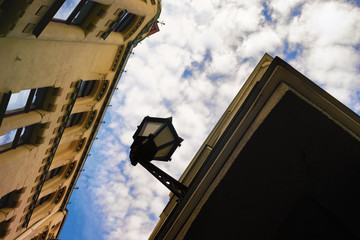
<point x="191" y="70"/>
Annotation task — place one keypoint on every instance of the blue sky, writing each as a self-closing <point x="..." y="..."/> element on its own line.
<point x="191" y="70"/>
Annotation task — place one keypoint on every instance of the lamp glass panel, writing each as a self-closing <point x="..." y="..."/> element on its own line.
<point x="149" y="128"/>
<point x="163" y="152"/>
<point x="164" y="137"/>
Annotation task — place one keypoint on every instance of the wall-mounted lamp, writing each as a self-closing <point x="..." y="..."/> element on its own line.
<point x="156" y="139"/>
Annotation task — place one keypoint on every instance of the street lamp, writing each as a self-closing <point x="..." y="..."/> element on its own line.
<point x="156" y="139"/>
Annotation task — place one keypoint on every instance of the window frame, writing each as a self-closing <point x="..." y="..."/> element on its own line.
<point x="74" y="119"/>
<point x="76" y="11"/>
<point x="86" y="88"/>
<point x="44" y="199"/>
<point x="22" y="136"/>
<point x="121" y="23"/>
<point x="124" y="22"/>
<point x="34" y="101"/>
<point x="54" y="172"/>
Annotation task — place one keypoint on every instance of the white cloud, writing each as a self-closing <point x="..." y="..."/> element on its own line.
<point x="219" y="42"/>
<point x="326" y="22"/>
<point x="328" y="32"/>
<point x="281" y="10"/>
<point x="259" y="42"/>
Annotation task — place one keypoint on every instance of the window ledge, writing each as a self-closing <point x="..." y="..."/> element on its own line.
<point x="7" y="213"/>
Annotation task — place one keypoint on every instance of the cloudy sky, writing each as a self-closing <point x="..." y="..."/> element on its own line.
<point x="191" y="70"/>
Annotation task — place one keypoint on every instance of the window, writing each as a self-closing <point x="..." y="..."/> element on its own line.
<point x="6" y="140"/>
<point x="124" y="20"/>
<point x="53" y="173"/>
<point x="74" y="11"/>
<point x="78" y="15"/>
<point x="4" y="227"/>
<point x="66" y="9"/>
<point x="74" y="119"/>
<point x="41" y="236"/>
<point x="18" y="101"/>
<point x="16" y="137"/>
<point x="23" y="101"/>
<point x="44" y="199"/>
<point x="13" y="104"/>
<point x="10" y="200"/>
<point x="85" y="88"/>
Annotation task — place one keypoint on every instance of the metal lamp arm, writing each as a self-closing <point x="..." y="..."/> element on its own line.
<point x="173" y="185"/>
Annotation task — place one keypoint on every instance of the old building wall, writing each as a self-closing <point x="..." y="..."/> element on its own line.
<point x="63" y="77"/>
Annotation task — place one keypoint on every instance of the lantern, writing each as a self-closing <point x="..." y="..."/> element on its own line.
<point x="156" y="139"/>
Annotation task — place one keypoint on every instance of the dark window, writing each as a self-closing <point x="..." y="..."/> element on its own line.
<point x="10" y="200"/>
<point x="85" y="88"/>
<point x="42" y="236"/>
<point x="81" y="13"/>
<point x="74" y="11"/>
<point x="124" y="22"/>
<point x="44" y="199"/>
<point x="16" y="137"/>
<point x="40" y="97"/>
<point x="74" y="119"/>
<point x="4" y="227"/>
<point x="53" y="173"/>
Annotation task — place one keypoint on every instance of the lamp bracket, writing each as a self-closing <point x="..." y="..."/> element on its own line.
<point x="173" y="185"/>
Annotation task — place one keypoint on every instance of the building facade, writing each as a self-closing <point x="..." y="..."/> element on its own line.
<point x="283" y="162"/>
<point x="59" y="69"/>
